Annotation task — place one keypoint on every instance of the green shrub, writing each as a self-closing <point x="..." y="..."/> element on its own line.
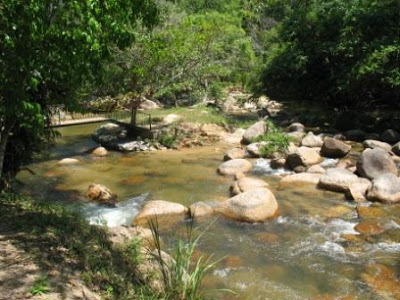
<point x="40" y="286"/>
<point x="277" y="141"/>
<point x="167" y="140"/>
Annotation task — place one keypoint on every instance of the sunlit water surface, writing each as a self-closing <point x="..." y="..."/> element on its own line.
<point x="300" y="255"/>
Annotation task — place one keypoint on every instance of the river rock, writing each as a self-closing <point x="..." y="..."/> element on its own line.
<point x="254" y="131"/>
<point x="68" y="161"/>
<point x="159" y="208"/>
<point x="396" y="149"/>
<point x="148" y="105"/>
<point x="254" y="149"/>
<point x="101" y="194"/>
<point x="303" y="156"/>
<point x="277" y="163"/>
<point x="256" y="205"/>
<point x="296" y="136"/>
<point x="385" y="188"/>
<point x="200" y="209"/>
<point x="340" y="180"/>
<point x="370" y="212"/>
<point x="383" y="281"/>
<point x="212" y="130"/>
<point x="245" y="184"/>
<point x="234" y="166"/>
<point x="109" y="132"/>
<point x="390" y="136"/>
<point x="301" y="178"/>
<point x="334" y="148"/>
<point x="100" y="152"/>
<point x="369" y="228"/>
<point x="316" y="169"/>
<point x="234" y="153"/>
<point x="296" y="127"/>
<point x="375" y="162"/>
<point x="377" y="144"/>
<point x="311" y="140"/>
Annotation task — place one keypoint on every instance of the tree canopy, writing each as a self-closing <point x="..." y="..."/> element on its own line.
<point x="51" y="48"/>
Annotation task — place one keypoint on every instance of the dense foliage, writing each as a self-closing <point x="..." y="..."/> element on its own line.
<point x="48" y="50"/>
<point x="343" y="52"/>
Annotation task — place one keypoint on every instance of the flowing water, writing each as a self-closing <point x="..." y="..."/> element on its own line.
<point x="311" y="251"/>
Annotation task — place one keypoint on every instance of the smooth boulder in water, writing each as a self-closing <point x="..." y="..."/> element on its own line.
<point x="159" y="209"/>
<point x="385" y="188"/>
<point x="303" y="157"/>
<point x="234" y="166"/>
<point x="234" y="153"/>
<point x="341" y="180"/>
<point x="244" y="184"/>
<point x="101" y="194"/>
<point x="254" y="131"/>
<point x="311" y="140"/>
<point x="375" y="162"/>
<point x="256" y="205"/>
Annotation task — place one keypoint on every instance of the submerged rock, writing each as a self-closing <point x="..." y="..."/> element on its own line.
<point x="254" y="131"/>
<point x="234" y="166"/>
<point x="369" y="228"/>
<point x="100" y="152"/>
<point x="68" y="161"/>
<point x="382" y="280"/>
<point x="385" y="188"/>
<point x="158" y="209"/>
<point x="375" y="162"/>
<point x="200" y="210"/>
<point x="334" y="148"/>
<point x="301" y="178"/>
<point x="101" y="194"/>
<point x="256" y="205"/>
<point x="245" y="184"/>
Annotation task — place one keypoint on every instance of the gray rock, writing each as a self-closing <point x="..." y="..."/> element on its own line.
<point x="303" y="156"/>
<point x="311" y="140"/>
<point x="301" y="178"/>
<point x="254" y="131"/>
<point x="341" y="180"/>
<point x="390" y="136"/>
<point x="296" y="127"/>
<point x="245" y="184"/>
<point x="256" y="205"/>
<point x="158" y="209"/>
<point x="234" y="166"/>
<point x="234" y="153"/>
<point x="200" y="210"/>
<point x="375" y="162"/>
<point x="254" y="149"/>
<point x="385" y="188"/>
<point x="316" y="169"/>
<point x="376" y="144"/>
<point x="296" y="136"/>
<point x="334" y="148"/>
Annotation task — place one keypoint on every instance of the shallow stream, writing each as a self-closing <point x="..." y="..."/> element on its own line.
<point x="311" y="251"/>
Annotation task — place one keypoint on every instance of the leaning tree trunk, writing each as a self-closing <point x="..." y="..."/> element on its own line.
<point x="4" y="134"/>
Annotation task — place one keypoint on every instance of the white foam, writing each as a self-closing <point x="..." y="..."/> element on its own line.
<point x="122" y="214"/>
<point x="332" y="248"/>
<point x="263" y="167"/>
<point x="222" y="272"/>
<point x="340" y="226"/>
<point x="329" y="162"/>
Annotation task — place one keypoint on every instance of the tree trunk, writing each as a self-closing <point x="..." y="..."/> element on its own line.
<point x="3" y="144"/>
<point x="133" y="116"/>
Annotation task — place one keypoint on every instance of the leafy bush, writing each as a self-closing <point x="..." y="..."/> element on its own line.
<point x="40" y="286"/>
<point x="167" y="140"/>
<point x="277" y="141"/>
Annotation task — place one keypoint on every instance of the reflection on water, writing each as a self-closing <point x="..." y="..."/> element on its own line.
<point x="311" y="251"/>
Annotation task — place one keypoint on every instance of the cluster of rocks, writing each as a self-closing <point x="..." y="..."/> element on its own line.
<point x="370" y="175"/>
<point x="115" y="137"/>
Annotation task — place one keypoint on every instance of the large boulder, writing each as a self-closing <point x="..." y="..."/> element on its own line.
<point x="245" y="184"/>
<point x="254" y="131"/>
<point x="311" y="140"/>
<point x="377" y="144"/>
<point x="170" y="119"/>
<point x="334" y="148"/>
<point x="148" y="105"/>
<point x="296" y="127"/>
<point x="109" y="132"/>
<point x="212" y="130"/>
<point x="234" y="153"/>
<point x="375" y="162"/>
<point x="301" y="178"/>
<point x="256" y="205"/>
<point x="124" y="234"/>
<point x="385" y="188"/>
<point x="316" y="169"/>
<point x="342" y="180"/>
<point x="160" y="209"/>
<point x="390" y="136"/>
<point x="234" y="166"/>
<point x="254" y="149"/>
<point x="303" y="157"/>
<point x="101" y="194"/>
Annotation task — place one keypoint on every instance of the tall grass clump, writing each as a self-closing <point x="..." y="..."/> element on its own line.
<point x="182" y="274"/>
